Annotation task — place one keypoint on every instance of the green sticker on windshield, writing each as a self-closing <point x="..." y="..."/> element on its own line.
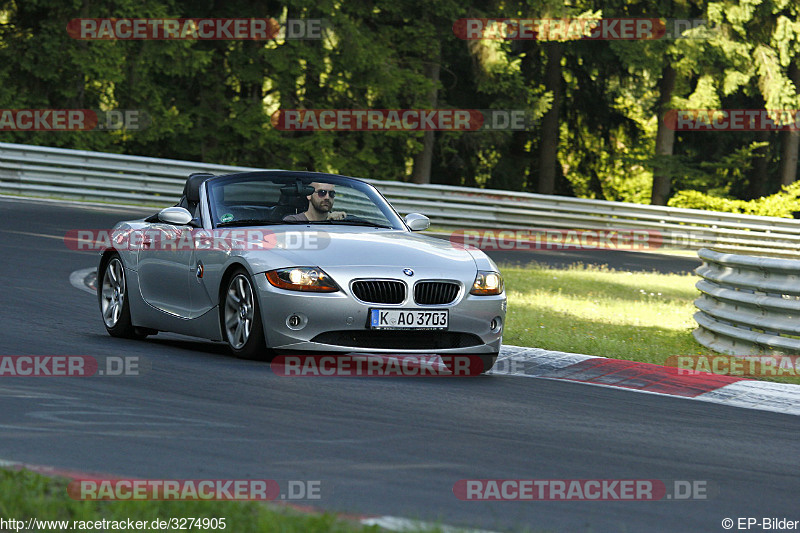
<point x="227" y="217"/>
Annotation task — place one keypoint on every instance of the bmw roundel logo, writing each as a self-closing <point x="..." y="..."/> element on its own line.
<point x="408" y="272"/>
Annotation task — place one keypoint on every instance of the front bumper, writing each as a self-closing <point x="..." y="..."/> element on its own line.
<point x="337" y="322"/>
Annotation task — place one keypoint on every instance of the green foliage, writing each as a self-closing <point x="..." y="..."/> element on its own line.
<point x="783" y="204"/>
<point x="212" y="100"/>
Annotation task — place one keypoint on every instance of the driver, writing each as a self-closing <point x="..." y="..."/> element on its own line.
<point x="320" y="205"/>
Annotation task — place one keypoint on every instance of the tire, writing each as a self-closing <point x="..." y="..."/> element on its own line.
<point x="467" y="365"/>
<point x="112" y="296"/>
<point x="240" y="318"/>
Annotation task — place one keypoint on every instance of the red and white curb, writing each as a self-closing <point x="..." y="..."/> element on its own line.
<point x="389" y="523"/>
<point x="650" y="378"/>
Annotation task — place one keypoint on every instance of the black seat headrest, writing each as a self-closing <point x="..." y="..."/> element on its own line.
<point x="192" y="188"/>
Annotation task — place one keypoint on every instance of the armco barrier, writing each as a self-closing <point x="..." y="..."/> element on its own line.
<point x="748" y="305"/>
<point x="77" y="174"/>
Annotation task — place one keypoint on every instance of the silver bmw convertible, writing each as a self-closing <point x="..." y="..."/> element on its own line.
<point x="281" y="261"/>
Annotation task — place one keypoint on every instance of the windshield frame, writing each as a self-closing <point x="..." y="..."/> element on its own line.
<point x="289" y="178"/>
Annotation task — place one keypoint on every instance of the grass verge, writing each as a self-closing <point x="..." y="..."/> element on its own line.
<point x="637" y="316"/>
<point x="25" y="494"/>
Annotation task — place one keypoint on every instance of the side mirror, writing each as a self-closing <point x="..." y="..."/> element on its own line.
<point x="177" y="216"/>
<point x="417" y="222"/>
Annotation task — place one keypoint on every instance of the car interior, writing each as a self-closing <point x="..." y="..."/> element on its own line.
<point x="246" y="200"/>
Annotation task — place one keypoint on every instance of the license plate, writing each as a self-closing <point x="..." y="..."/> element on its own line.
<point x="407" y="319"/>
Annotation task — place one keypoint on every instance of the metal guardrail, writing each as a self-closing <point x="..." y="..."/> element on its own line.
<point x="748" y="305"/>
<point x="77" y="174"/>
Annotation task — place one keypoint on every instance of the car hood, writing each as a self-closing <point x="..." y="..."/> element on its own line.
<point x="335" y="247"/>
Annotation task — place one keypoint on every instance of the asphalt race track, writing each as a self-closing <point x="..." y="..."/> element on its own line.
<point x="390" y="446"/>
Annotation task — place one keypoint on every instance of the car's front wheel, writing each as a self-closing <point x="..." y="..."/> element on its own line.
<point x="112" y="294"/>
<point x="241" y="318"/>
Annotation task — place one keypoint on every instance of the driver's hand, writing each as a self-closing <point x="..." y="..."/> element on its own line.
<point x="337" y="215"/>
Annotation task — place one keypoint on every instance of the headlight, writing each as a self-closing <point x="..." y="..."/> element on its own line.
<point x="487" y="283"/>
<point x="309" y="279"/>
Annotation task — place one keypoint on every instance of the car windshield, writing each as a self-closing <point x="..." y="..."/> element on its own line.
<point x="271" y="197"/>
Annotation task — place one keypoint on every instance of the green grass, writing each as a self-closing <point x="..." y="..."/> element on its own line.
<point x="636" y="316"/>
<point x="25" y="494"/>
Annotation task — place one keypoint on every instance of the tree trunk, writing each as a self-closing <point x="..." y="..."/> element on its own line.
<point x="790" y="139"/>
<point x="758" y="173"/>
<point x="665" y="138"/>
<point x="548" y="149"/>
<point x="423" y="160"/>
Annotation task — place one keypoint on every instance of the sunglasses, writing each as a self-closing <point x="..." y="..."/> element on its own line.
<point x="322" y="193"/>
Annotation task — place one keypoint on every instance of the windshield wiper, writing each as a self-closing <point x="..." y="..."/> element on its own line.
<point x="248" y="222"/>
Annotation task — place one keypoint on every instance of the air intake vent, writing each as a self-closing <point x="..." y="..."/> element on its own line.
<point x="380" y="291"/>
<point x="435" y="292"/>
<point x="399" y="340"/>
